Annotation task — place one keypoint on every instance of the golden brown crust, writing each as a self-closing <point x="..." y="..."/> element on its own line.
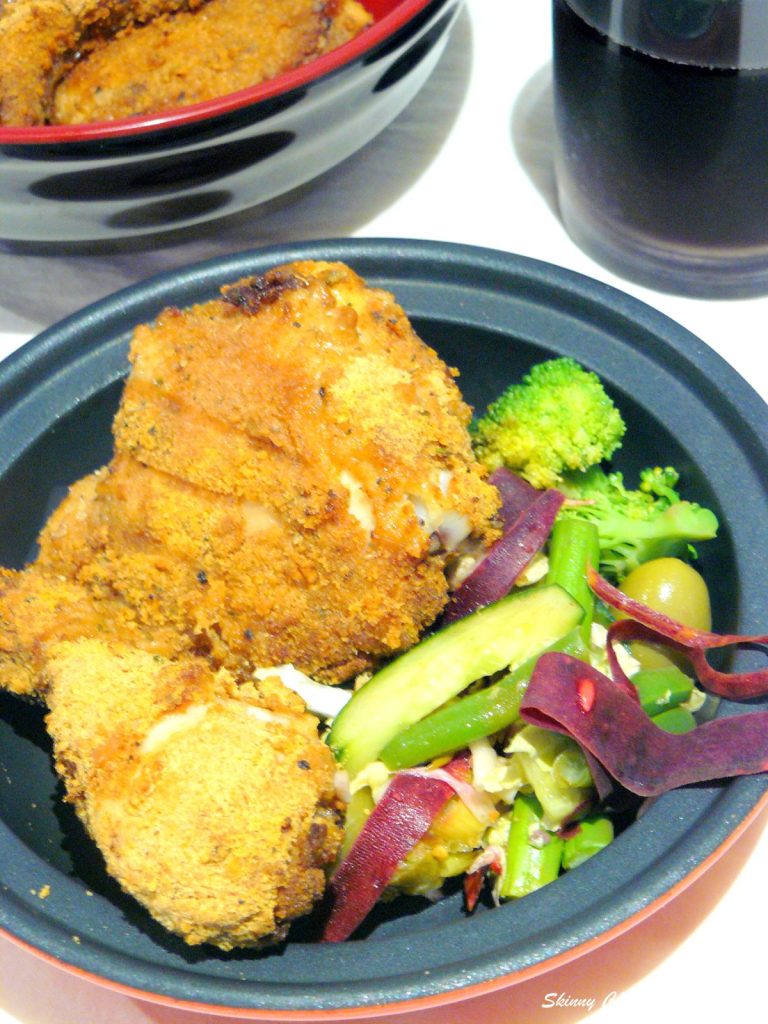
<point x="74" y="61"/>
<point x="41" y="40"/>
<point x="275" y="450"/>
<point x="36" y="39"/>
<point x="193" y="56"/>
<point x="38" y="609"/>
<point x="213" y="805"/>
<point x="284" y="458"/>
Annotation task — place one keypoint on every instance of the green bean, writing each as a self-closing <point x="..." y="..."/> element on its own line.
<point x="534" y="855"/>
<point x="472" y="717"/>
<point x="573" y="545"/>
<point x="662" y="688"/>
<point x="594" y="834"/>
<point x="677" y="720"/>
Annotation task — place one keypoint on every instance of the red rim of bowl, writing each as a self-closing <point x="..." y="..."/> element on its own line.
<point x="380" y="30"/>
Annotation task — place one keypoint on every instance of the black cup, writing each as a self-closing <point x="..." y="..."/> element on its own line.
<point x="662" y="139"/>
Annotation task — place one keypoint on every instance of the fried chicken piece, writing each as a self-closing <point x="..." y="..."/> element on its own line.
<point x="72" y="61"/>
<point x="33" y="38"/>
<point x="193" y="56"/>
<point x="292" y="476"/>
<point x="41" y="40"/>
<point x="213" y="804"/>
<point x="39" y="608"/>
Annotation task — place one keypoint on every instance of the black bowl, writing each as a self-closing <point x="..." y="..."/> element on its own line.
<point x="491" y="315"/>
<point x="155" y="173"/>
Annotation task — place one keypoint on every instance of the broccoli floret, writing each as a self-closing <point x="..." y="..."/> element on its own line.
<point x="636" y="526"/>
<point x="557" y="419"/>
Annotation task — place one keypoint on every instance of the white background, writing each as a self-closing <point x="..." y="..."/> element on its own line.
<point x="469" y="161"/>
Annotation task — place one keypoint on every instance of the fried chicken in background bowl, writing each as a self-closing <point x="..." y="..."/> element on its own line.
<point x="219" y="144"/>
<point x="77" y="61"/>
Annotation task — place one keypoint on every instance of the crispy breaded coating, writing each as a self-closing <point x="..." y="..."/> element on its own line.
<point x="214" y="805"/>
<point x="192" y="56"/>
<point x="33" y="39"/>
<point x="41" y="40"/>
<point x="73" y="61"/>
<point x="292" y="478"/>
<point x="39" y="608"/>
<point x="292" y="470"/>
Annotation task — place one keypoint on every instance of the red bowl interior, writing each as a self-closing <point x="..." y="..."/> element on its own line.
<point x="389" y="16"/>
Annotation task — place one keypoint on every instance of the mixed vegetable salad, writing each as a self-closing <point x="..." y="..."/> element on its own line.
<point x="569" y="670"/>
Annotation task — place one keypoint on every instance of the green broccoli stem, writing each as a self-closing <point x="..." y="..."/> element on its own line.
<point x="636" y="526"/>
<point x="534" y="855"/>
<point x="473" y="717"/>
<point x="593" y="834"/>
<point x="574" y="544"/>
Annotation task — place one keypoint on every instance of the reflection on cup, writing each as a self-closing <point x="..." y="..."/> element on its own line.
<point x="661" y="109"/>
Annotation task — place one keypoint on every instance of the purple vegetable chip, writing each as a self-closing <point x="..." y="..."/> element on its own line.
<point x="516" y="494"/>
<point x="573" y="698"/>
<point x="398" y="821"/>
<point x="494" y="576"/>
<point x="646" y="624"/>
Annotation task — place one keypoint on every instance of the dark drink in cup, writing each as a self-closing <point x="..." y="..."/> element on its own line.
<point x="662" y="139"/>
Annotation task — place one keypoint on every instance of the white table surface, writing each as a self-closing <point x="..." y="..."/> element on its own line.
<point x="468" y="161"/>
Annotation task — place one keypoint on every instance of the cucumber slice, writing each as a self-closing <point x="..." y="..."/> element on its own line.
<point x="502" y="635"/>
<point x="485" y="711"/>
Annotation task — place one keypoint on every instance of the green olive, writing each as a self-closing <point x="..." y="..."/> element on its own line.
<point x="676" y="589"/>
